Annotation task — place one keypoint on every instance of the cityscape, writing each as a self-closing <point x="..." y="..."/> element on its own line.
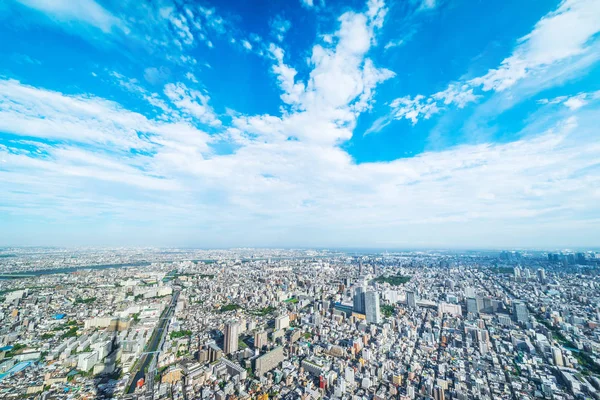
<point x="299" y="324"/>
<point x="299" y="199"/>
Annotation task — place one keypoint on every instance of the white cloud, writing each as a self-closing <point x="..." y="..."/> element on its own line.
<point x="394" y="43"/>
<point x="340" y="85"/>
<point x="133" y="86"/>
<point x="83" y="11"/>
<point x="84" y="119"/>
<point x="288" y="170"/>
<point x="460" y="95"/>
<point x="279" y="27"/>
<point x="307" y="3"/>
<point x="247" y="45"/>
<point x="574" y="102"/>
<point x="378" y="125"/>
<point x="414" y="108"/>
<point x="429" y="4"/>
<point x="550" y="54"/>
<point x="181" y="28"/>
<point x="464" y="193"/>
<point x="559" y="35"/>
<point x="193" y="102"/>
<point x="191" y="77"/>
<point x="286" y="77"/>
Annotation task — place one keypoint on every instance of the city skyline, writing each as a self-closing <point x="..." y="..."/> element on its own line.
<point x="380" y="124"/>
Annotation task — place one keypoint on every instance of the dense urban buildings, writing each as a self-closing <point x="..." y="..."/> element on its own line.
<point x="299" y="324"/>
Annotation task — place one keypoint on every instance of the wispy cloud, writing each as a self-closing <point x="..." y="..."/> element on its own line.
<point x="247" y="45"/>
<point x="192" y="102"/>
<point x="82" y="11"/>
<point x="558" y="36"/>
<point x="573" y="102"/>
<point x="549" y="51"/>
<point x="394" y="43"/>
<point x="279" y="27"/>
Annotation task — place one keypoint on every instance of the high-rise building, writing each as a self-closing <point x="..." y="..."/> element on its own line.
<point x="472" y="305"/>
<point x="282" y="322"/>
<point x="520" y="312"/>
<point x="349" y="375"/>
<point x="260" y="339"/>
<point x="410" y="391"/>
<point x="411" y="299"/>
<point x="438" y="393"/>
<point x="557" y="357"/>
<point x="541" y="275"/>
<point x="372" y="311"/>
<point x="214" y="352"/>
<point x="230" y="339"/>
<point x="470" y="292"/>
<point x="359" y="300"/>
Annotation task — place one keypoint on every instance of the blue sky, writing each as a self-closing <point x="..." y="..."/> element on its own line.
<point x="389" y="124"/>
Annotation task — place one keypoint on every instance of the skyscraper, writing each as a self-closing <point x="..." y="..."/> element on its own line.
<point x="372" y="310"/>
<point x="230" y="339"/>
<point x="359" y="300"/>
<point x="411" y="299"/>
<point x="472" y="305"/>
<point x="520" y="313"/>
<point x="541" y="275"/>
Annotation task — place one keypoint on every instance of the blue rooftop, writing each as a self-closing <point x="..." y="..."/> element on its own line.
<point x="16" y="369"/>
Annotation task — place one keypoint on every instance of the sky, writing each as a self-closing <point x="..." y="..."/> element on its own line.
<point x="300" y="123"/>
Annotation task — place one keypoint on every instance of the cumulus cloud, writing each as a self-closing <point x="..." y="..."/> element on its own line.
<point x="310" y="186"/>
<point x="340" y="85"/>
<point x="89" y="156"/>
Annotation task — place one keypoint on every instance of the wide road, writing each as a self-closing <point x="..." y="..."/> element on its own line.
<point x="150" y="356"/>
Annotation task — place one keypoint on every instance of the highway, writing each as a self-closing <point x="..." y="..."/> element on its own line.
<point x="147" y="363"/>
